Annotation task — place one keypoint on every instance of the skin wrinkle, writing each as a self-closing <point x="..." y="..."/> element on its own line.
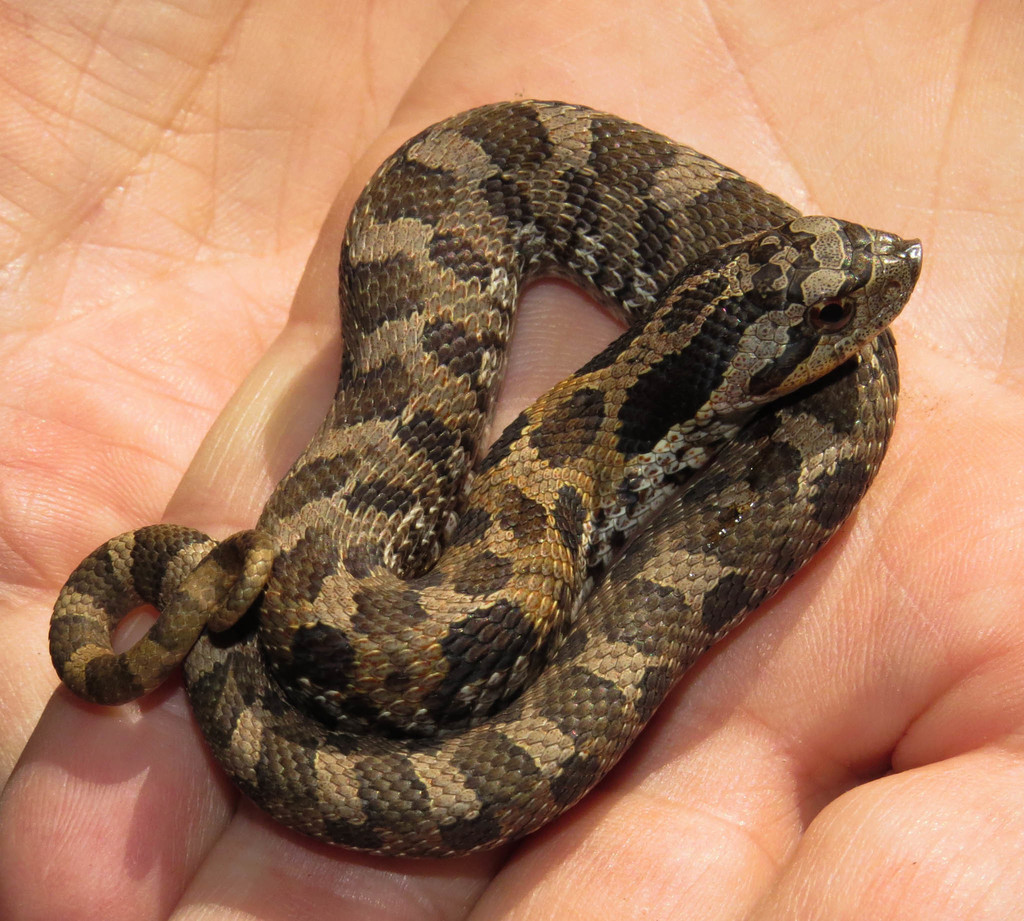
<point x="150" y="141"/>
<point x="781" y="153"/>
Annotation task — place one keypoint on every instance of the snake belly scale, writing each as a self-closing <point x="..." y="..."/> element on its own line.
<point x="425" y="652"/>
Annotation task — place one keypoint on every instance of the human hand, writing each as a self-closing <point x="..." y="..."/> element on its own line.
<point x="851" y="752"/>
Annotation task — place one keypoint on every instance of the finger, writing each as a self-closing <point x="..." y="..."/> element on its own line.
<point x="199" y="158"/>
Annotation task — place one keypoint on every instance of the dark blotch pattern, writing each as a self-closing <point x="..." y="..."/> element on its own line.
<point x="796" y="350"/>
<point x="456" y="349"/>
<point x="571" y="428"/>
<point x="502" y="447"/>
<point x="428" y="433"/>
<point x="203" y="691"/>
<point x="378" y="393"/>
<point x="459" y="255"/>
<point x="362" y="836"/>
<point x="380" y="494"/>
<point x="656" y="682"/>
<point x="466" y="834"/>
<point x="574" y="644"/>
<point x="523" y="516"/>
<point x="676" y="386"/>
<point x="837" y="494"/>
<point x="407" y="794"/>
<point x="299" y="573"/>
<point x="94" y="575"/>
<point x="731" y="597"/>
<point x="483" y="647"/>
<point x="360" y="560"/>
<point x="844" y="417"/>
<point x="577" y="775"/>
<point x="775" y="470"/>
<point x="364" y="277"/>
<point x="484" y="569"/>
<point x="412" y="190"/>
<point x="570" y="513"/>
<point x="323" y="654"/>
<point x="472" y="526"/>
<point x="104" y="676"/>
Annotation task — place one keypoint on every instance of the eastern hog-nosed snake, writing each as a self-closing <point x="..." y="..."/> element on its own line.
<point x="412" y="656"/>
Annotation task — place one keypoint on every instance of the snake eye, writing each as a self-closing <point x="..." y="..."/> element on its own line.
<point x="832" y="314"/>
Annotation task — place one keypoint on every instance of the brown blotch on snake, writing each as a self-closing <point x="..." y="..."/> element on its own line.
<point x="409" y="657"/>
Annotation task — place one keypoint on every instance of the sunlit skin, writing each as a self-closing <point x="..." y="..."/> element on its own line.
<point x="852" y="752"/>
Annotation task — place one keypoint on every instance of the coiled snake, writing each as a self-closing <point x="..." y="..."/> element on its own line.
<point x="408" y="655"/>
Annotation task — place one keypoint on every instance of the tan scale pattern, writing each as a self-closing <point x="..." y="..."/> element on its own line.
<point x="408" y="657"/>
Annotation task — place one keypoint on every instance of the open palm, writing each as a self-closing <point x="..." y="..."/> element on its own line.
<point x="169" y="237"/>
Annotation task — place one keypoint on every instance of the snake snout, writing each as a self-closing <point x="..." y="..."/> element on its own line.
<point x="897" y="267"/>
<point x="912" y="255"/>
<point x="909" y="252"/>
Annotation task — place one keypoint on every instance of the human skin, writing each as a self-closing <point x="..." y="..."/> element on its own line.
<point x="169" y="184"/>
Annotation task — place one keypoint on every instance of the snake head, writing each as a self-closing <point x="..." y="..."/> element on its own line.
<point x="823" y="289"/>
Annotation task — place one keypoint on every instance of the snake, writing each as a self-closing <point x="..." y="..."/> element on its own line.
<point x="426" y="649"/>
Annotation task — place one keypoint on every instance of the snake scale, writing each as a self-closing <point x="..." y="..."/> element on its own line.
<point x="422" y="651"/>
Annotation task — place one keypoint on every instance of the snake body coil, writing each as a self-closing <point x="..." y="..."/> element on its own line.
<point x="414" y="655"/>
